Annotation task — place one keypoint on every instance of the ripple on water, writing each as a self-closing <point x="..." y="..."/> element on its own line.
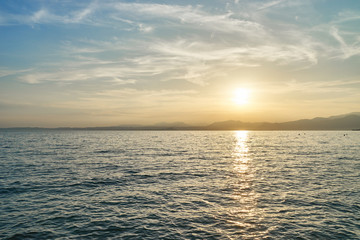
<point x="179" y="185"/>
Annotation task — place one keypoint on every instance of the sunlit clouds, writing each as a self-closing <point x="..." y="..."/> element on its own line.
<point x="78" y="52"/>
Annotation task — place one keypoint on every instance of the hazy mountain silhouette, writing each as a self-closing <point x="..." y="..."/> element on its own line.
<point x="345" y="115"/>
<point x="341" y="122"/>
<point x="349" y="121"/>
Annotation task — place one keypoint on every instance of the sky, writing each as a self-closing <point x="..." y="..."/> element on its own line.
<point x="108" y="63"/>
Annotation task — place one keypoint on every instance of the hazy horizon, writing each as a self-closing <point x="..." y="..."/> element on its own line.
<point x="341" y="122"/>
<point x="108" y="63"/>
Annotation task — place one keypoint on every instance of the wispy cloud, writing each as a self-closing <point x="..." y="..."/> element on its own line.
<point x="193" y="15"/>
<point x="195" y="61"/>
<point x="216" y="41"/>
<point x="347" y="16"/>
<point x="138" y="14"/>
<point x="49" y="16"/>
<point x="270" y="4"/>
<point x="245" y="56"/>
<point x="6" y="71"/>
<point x="346" y="50"/>
<point x="68" y="75"/>
<point x="187" y="58"/>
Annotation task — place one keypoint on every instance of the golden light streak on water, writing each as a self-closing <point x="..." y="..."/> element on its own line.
<point x="241" y="152"/>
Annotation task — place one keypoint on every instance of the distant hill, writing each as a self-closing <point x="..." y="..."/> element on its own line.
<point x="341" y="122"/>
<point x="349" y="121"/>
<point x="345" y="115"/>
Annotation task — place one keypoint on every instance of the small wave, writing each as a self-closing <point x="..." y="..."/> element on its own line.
<point x="32" y="235"/>
<point x="115" y="151"/>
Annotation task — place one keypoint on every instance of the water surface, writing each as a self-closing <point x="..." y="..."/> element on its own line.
<point x="179" y="185"/>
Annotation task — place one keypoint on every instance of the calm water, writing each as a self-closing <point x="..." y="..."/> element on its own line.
<point x="179" y="185"/>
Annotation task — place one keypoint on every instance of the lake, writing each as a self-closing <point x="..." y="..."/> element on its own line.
<point x="58" y="184"/>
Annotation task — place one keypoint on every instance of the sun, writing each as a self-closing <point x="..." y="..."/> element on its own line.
<point x="241" y="96"/>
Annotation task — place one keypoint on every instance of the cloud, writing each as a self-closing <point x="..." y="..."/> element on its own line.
<point x="160" y="42"/>
<point x="7" y="72"/>
<point x="346" y="50"/>
<point x="68" y="75"/>
<point x="233" y="55"/>
<point x="196" y="61"/>
<point x="192" y="17"/>
<point x="270" y="4"/>
<point x="347" y="16"/>
<point x="82" y="14"/>
<point x="47" y="16"/>
<point x="108" y="13"/>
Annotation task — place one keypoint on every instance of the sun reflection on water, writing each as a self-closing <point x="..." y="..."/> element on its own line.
<point x="245" y="213"/>
<point x="241" y="152"/>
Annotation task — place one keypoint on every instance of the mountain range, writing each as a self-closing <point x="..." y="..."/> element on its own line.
<point x="342" y="122"/>
<point x="350" y="121"/>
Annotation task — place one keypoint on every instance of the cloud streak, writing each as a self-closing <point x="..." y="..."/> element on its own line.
<point x="346" y="50"/>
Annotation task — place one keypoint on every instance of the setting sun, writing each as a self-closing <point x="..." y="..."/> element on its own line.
<point x="241" y="96"/>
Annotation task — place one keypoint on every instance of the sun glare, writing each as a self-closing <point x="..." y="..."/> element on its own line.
<point x="241" y="96"/>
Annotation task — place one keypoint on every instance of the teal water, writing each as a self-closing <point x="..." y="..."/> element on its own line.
<point x="179" y="185"/>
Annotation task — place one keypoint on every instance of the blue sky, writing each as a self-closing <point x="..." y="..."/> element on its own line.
<point x="100" y="63"/>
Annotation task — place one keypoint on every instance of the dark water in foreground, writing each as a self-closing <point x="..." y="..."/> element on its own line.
<point x="179" y="185"/>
